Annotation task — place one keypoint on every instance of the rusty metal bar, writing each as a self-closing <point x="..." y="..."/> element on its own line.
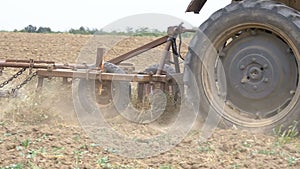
<point x="104" y="76"/>
<point x="40" y="82"/>
<point x="139" y="50"/>
<point x="28" y="61"/>
<point x="19" y="64"/>
<point x="65" y="80"/>
<point x="164" y="58"/>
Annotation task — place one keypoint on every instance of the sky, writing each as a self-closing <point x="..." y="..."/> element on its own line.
<point x="61" y="15"/>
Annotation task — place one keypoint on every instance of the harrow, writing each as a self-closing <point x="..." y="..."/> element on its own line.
<point x="99" y="73"/>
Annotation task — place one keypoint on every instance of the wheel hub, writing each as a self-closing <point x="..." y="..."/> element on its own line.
<point x="260" y="73"/>
<point x="254" y="75"/>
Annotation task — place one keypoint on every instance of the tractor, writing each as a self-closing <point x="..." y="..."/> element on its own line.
<point x="245" y="59"/>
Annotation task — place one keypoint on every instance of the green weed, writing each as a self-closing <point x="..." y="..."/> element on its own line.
<point x="13" y="166"/>
<point x="205" y="147"/>
<point x="265" y="152"/>
<point x="78" y="154"/>
<point x="32" y="153"/>
<point x="33" y="166"/>
<point x="25" y="143"/>
<point x="292" y="160"/>
<point x="95" y="145"/>
<point x="235" y="166"/>
<point x="247" y="144"/>
<point x="165" y="167"/>
<point x="77" y="137"/>
<point x="104" y="162"/>
<point x="284" y="136"/>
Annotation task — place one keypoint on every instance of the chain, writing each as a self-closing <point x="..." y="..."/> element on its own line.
<point x="28" y="79"/>
<point x="20" y="72"/>
<point x="15" y="76"/>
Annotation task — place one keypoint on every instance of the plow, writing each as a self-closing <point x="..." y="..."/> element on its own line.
<point x="244" y="60"/>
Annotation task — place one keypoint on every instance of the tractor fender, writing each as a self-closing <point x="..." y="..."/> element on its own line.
<point x="195" y="6"/>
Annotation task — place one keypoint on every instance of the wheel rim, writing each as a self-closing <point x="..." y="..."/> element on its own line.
<point x="261" y="76"/>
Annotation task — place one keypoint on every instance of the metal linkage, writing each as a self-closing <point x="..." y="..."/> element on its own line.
<point x="18" y="87"/>
<point x="12" y="92"/>
<point x="15" y="76"/>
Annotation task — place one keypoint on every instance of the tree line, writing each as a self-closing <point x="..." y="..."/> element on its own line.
<point x="144" y="31"/>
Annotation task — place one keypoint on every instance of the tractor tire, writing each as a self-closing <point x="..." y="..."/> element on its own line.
<point x="245" y="59"/>
<point x="117" y="94"/>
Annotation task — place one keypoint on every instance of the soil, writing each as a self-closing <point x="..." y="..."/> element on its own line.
<point x="41" y="129"/>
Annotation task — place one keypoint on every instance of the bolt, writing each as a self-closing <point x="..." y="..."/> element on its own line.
<point x="242" y="67"/>
<point x="228" y="103"/>
<point x="255" y="87"/>
<point x="244" y="80"/>
<point x="292" y="92"/>
<point x="253" y="32"/>
<point x="266" y="66"/>
<point x="258" y="115"/>
<point x="253" y="59"/>
<point x="266" y="80"/>
<point x="288" y="50"/>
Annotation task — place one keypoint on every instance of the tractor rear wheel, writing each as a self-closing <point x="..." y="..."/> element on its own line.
<point x="245" y="59"/>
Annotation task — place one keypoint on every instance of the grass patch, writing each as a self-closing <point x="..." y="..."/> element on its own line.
<point x="25" y="143"/>
<point x="165" y="167"/>
<point x="104" y="162"/>
<point x="266" y="152"/>
<point x="205" y="147"/>
<point x="284" y="136"/>
<point x="13" y="166"/>
<point x="292" y="160"/>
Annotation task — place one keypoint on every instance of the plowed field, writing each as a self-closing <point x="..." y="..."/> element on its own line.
<point x="40" y="129"/>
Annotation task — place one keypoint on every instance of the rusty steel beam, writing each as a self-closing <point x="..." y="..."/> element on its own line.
<point x="165" y="58"/>
<point x="29" y="61"/>
<point x="139" y="50"/>
<point x="42" y="65"/>
<point x="93" y="75"/>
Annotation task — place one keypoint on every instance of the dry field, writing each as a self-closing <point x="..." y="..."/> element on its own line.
<point x="40" y="129"/>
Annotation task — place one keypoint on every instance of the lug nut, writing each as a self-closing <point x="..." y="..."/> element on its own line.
<point x="253" y="59"/>
<point x="253" y="32"/>
<point x="255" y="87"/>
<point x="266" y="66"/>
<point x="292" y="92"/>
<point x="266" y="80"/>
<point x="242" y="67"/>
